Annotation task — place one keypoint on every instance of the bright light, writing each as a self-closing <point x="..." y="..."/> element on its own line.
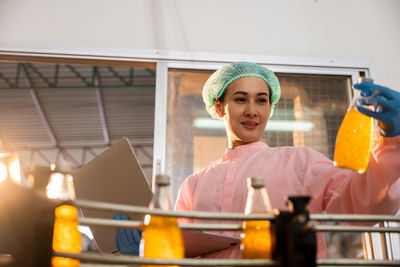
<point x="85" y="230"/>
<point x="208" y="123"/>
<point x="147" y="219"/>
<point x="55" y="185"/>
<point x="9" y="167"/>
<point x="70" y="186"/>
<point x="273" y="125"/>
<point x="15" y="170"/>
<point x="3" y="172"/>
<point x="289" y="126"/>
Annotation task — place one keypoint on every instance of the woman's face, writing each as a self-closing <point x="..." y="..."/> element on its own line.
<point x="245" y="109"/>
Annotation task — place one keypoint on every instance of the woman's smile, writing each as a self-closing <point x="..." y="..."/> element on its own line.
<point x="250" y="124"/>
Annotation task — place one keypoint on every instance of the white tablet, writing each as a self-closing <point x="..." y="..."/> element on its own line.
<point x="114" y="176"/>
<point x="198" y="243"/>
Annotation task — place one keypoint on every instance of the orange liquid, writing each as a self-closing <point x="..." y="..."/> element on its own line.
<point x="354" y="141"/>
<point x="162" y="239"/>
<point x="258" y="240"/>
<point x="66" y="237"/>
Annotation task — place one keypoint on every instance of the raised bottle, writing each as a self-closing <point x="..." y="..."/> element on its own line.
<point x="355" y="138"/>
<point x="66" y="237"/>
<point x="161" y="237"/>
<point x="258" y="237"/>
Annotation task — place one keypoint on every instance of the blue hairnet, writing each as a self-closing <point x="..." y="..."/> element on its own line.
<point x="219" y="81"/>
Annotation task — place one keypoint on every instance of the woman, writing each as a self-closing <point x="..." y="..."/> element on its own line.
<point x="244" y="95"/>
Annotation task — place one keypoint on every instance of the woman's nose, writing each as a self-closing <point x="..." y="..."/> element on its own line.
<point x="250" y="110"/>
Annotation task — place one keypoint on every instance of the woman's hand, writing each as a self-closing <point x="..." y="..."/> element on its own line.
<point x="387" y="106"/>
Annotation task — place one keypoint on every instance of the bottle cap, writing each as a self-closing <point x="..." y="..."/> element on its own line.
<point x="62" y="167"/>
<point x="365" y="79"/>
<point x="257" y="181"/>
<point x="162" y="179"/>
<point x="357" y="93"/>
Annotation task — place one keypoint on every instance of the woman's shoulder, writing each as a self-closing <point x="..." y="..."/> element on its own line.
<point x="192" y="180"/>
<point x="200" y="173"/>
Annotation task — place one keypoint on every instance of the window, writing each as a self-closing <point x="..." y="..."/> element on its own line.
<point x="308" y="114"/>
<point x="75" y="111"/>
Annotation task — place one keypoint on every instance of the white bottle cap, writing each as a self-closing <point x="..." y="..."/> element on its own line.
<point x="365" y="79"/>
<point x="357" y="93"/>
<point x="162" y="180"/>
<point x="257" y="181"/>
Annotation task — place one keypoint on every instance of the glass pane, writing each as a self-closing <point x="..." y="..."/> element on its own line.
<point x="318" y="103"/>
<point x="82" y="104"/>
<point x="308" y="114"/>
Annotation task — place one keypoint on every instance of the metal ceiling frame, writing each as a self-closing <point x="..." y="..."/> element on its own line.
<point x="26" y="70"/>
<point x="38" y="106"/>
<point x="6" y="80"/>
<point x="100" y="105"/>
<point x="88" y="82"/>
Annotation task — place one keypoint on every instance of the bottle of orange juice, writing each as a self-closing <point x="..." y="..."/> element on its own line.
<point x="66" y="237"/>
<point x="355" y="138"/>
<point x="258" y="237"/>
<point x="161" y="237"/>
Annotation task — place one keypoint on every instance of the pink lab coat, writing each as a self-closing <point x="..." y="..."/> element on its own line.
<point x="221" y="186"/>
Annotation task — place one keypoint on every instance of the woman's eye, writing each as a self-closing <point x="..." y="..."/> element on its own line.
<point x="240" y="99"/>
<point x="262" y="100"/>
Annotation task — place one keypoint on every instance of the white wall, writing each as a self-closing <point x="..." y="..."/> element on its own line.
<point x="345" y="29"/>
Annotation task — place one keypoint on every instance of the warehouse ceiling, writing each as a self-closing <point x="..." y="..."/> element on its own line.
<point x="49" y="111"/>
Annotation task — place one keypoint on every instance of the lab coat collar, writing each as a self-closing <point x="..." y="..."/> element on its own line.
<point x="243" y="150"/>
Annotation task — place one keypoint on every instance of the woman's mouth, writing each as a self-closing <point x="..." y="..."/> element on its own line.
<point x="250" y="124"/>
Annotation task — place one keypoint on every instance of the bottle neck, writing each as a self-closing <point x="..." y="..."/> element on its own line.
<point x="161" y="199"/>
<point x="61" y="186"/>
<point x="258" y="201"/>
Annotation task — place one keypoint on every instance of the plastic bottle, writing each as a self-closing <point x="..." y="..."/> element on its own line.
<point x="161" y="237"/>
<point x="258" y="237"/>
<point x="355" y="138"/>
<point x="66" y="237"/>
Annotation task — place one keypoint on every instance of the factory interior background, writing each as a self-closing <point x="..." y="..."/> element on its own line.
<point x="76" y="76"/>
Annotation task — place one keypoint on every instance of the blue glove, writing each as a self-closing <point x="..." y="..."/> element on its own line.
<point x="387" y="106"/>
<point x="127" y="240"/>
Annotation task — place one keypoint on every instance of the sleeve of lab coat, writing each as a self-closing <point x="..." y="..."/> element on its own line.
<point x="339" y="190"/>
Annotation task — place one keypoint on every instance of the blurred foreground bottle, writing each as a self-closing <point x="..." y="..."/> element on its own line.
<point x="161" y="237"/>
<point x="10" y="169"/>
<point x="66" y="237"/>
<point x="26" y="218"/>
<point x="355" y="137"/>
<point x="258" y="237"/>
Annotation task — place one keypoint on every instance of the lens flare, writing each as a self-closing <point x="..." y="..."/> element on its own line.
<point x="55" y="185"/>
<point x="3" y="172"/>
<point x="15" y="170"/>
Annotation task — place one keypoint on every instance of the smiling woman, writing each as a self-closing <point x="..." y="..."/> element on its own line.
<point x="243" y="102"/>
